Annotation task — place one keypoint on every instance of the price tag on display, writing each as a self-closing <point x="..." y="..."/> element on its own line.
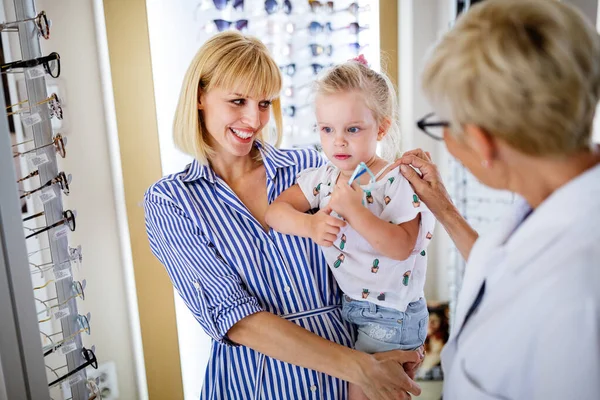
<point x="35" y="160"/>
<point x="75" y="379"/>
<point x="61" y="232"/>
<point x="62" y="312"/>
<point x="61" y="274"/>
<point x="31" y="120"/>
<point x="35" y="72"/>
<point x="47" y="194"/>
<point x="68" y="348"/>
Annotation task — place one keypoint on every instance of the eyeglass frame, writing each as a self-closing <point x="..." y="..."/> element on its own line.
<point x="61" y="179"/>
<point x="91" y="360"/>
<point x="68" y="219"/>
<point x="40" y="19"/>
<point x="34" y="62"/>
<point x="53" y="102"/>
<point x="422" y="124"/>
<point x="58" y="141"/>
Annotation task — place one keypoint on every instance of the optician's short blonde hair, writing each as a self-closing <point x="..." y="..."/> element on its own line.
<point x="526" y="71"/>
<point x="228" y="60"/>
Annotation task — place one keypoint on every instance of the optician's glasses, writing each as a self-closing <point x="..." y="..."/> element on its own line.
<point x="62" y="179"/>
<point x="68" y="220"/>
<point x="90" y="360"/>
<point x="58" y="141"/>
<point x="223" y="25"/>
<point x="272" y="6"/>
<point x="432" y="126"/>
<point x="53" y="102"/>
<point x="51" y="64"/>
<point x="41" y="24"/>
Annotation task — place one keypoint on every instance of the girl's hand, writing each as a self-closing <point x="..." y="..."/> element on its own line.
<point x="324" y="228"/>
<point x="384" y="376"/>
<point x="346" y="199"/>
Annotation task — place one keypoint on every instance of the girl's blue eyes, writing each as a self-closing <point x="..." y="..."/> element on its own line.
<point x="352" y="129"/>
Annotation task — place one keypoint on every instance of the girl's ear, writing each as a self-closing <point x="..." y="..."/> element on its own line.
<point x="200" y="107"/>
<point x="383" y="128"/>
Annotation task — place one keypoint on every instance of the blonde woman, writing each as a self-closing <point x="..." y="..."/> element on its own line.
<point x="515" y="85"/>
<point x="267" y="299"/>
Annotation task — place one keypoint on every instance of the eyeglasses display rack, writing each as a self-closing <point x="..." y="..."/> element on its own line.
<point x="41" y="351"/>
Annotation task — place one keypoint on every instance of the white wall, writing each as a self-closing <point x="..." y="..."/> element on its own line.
<point x="92" y="195"/>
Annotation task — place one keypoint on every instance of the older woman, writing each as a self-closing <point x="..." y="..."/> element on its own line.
<point x="515" y="85"/>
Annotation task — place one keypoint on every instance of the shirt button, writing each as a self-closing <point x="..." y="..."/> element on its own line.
<point x="287" y="289"/>
<point x="313" y="388"/>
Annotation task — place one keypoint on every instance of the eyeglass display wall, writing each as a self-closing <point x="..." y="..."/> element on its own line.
<point x="41" y="302"/>
<point x="305" y="37"/>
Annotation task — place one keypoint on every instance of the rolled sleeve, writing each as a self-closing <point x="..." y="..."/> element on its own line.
<point x="210" y="288"/>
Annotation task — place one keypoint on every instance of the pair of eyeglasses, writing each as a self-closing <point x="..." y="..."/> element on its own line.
<point x="223" y="25"/>
<point x="77" y="291"/>
<point x="68" y="220"/>
<point x="272" y="6"/>
<point x="317" y="49"/>
<point x="51" y="64"/>
<point x="90" y="360"/>
<point x="75" y="255"/>
<point x="83" y="321"/>
<point x="62" y="179"/>
<point x="291" y="111"/>
<point x="53" y="103"/>
<point x="317" y="68"/>
<point x="288" y="69"/>
<point x="58" y="141"/>
<point x="432" y="126"/>
<point x="41" y="24"/>
<point x="316" y="6"/>
<point x="316" y="27"/>
<point x="222" y="4"/>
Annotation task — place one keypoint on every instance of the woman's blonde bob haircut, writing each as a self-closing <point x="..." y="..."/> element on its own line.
<point x="231" y="61"/>
<point x="525" y="71"/>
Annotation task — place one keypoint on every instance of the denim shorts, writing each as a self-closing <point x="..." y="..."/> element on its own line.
<point x="384" y="329"/>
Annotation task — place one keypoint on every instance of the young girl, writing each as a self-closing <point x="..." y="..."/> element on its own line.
<point x="373" y="231"/>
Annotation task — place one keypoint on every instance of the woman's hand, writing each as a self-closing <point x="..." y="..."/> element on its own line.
<point x="428" y="185"/>
<point x="384" y="377"/>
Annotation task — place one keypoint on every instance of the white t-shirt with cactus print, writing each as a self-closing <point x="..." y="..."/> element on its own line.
<point x="360" y="271"/>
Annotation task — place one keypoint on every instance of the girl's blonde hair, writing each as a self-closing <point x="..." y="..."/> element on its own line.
<point x="379" y="95"/>
<point x="231" y="61"/>
<point x="526" y="71"/>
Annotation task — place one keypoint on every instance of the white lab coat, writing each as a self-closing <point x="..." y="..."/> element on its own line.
<point x="536" y="333"/>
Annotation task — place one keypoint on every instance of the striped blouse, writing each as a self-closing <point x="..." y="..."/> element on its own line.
<point x="226" y="267"/>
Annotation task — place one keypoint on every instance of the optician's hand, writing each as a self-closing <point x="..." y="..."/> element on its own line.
<point x="428" y="185"/>
<point x="384" y="377"/>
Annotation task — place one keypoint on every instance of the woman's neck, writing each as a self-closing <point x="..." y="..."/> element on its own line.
<point x="535" y="179"/>
<point x="231" y="168"/>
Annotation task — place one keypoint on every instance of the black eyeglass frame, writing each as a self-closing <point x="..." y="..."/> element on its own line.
<point x="68" y="219"/>
<point x="90" y="360"/>
<point x="34" y="62"/>
<point x="423" y="124"/>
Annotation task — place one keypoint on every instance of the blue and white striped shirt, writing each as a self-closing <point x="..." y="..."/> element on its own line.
<point x="226" y="267"/>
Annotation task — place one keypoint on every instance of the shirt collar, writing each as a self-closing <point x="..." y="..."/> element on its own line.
<point x="568" y="205"/>
<point x="272" y="157"/>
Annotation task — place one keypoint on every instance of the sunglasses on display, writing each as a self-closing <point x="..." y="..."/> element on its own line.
<point x="222" y="4"/>
<point x="432" y="126"/>
<point x="53" y="103"/>
<point x="290" y="111"/>
<point x="90" y="360"/>
<point x="223" y="25"/>
<point x="41" y="24"/>
<point x="62" y="179"/>
<point x="272" y="6"/>
<point x="317" y="6"/>
<point x="68" y="220"/>
<point x="317" y="49"/>
<point x="316" y="28"/>
<point x="289" y="69"/>
<point x="317" y="68"/>
<point x="51" y="64"/>
<point x="59" y="142"/>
